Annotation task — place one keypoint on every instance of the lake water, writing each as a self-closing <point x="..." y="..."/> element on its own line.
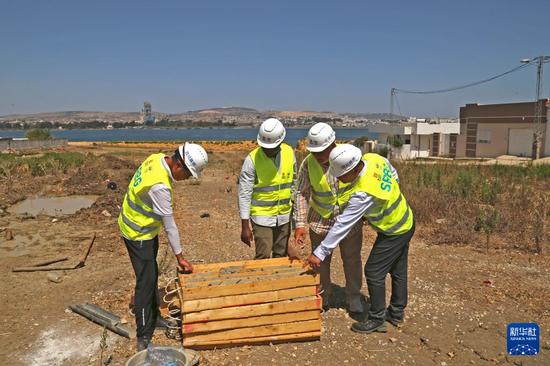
<point x="184" y="134"/>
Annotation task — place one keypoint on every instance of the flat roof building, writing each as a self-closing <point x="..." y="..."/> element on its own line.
<point x="492" y="130"/>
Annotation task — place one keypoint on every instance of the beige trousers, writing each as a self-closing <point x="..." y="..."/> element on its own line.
<point x="350" y="251"/>
<point x="271" y="241"/>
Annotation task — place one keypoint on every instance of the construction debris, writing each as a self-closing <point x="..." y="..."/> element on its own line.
<point x="103" y="317"/>
<point x="45" y="265"/>
<point x="249" y="302"/>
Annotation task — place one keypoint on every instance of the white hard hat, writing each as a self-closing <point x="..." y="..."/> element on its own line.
<point x="344" y="158"/>
<point x="271" y="133"/>
<point x="319" y="137"/>
<point x="195" y="158"/>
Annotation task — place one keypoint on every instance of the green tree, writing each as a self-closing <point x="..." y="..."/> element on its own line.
<point x="38" y="134"/>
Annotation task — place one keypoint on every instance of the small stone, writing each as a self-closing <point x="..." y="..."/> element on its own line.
<point x="443" y="363"/>
<point x="105" y="213"/>
<point x="123" y="321"/>
<point x="451" y="354"/>
<point x="393" y="340"/>
<point x="9" y="234"/>
<point x="54" y="277"/>
<point x="55" y="220"/>
<point x="204" y="215"/>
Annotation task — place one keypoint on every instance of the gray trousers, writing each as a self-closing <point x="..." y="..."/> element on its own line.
<point x="388" y="255"/>
<point x="350" y="251"/>
<point x="271" y="241"/>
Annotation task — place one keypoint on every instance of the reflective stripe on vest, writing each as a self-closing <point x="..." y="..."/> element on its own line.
<point x="322" y="199"/>
<point x="391" y="214"/>
<point x="137" y="221"/>
<point x="272" y="190"/>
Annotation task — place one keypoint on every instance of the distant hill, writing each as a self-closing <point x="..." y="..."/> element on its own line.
<point x="226" y="116"/>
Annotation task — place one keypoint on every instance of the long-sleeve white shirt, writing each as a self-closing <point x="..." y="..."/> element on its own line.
<point x="159" y="199"/>
<point x="358" y="204"/>
<point x="247" y="179"/>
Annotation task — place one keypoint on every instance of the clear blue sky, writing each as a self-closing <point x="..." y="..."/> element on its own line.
<point x="286" y="55"/>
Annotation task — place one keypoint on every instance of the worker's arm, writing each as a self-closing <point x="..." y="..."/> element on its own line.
<point x="246" y="184"/>
<point x="161" y="200"/>
<point x="301" y="206"/>
<point x="358" y="204"/>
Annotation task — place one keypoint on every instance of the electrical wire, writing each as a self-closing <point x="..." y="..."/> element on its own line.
<point x="446" y="90"/>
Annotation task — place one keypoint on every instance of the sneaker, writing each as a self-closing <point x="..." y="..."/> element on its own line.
<point x="142" y="343"/>
<point x="396" y="322"/>
<point x="370" y="326"/>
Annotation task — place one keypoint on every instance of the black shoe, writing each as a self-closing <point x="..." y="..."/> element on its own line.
<point x="142" y="343"/>
<point x="370" y="326"/>
<point x="163" y="323"/>
<point x="396" y="322"/>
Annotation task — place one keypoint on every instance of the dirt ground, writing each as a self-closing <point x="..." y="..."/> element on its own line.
<point x="460" y="299"/>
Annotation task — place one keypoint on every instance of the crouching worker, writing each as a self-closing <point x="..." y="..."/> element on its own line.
<point x="148" y="205"/>
<point x="376" y="197"/>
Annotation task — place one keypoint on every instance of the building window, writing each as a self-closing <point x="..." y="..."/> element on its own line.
<point x="483" y="137"/>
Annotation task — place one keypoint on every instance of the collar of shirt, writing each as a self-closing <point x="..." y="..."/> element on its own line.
<point x="165" y="165"/>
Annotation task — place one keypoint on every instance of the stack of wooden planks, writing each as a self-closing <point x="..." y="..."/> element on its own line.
<point x="249" y="302"/>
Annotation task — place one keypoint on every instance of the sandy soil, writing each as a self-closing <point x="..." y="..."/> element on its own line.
<point x="453" y="318"/>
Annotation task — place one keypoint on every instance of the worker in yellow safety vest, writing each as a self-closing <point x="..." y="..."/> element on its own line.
<point x="148" y="205"/>
<point x="265" y="190"/>
<point x="375" y="196"/>
<point x="320" y="198"/>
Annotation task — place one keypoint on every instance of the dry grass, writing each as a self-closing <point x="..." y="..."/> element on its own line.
<point x="500" y="206"/>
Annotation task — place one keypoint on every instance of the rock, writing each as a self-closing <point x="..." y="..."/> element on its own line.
<point x="9" y="234"/>
<point x="393" y="340"/>
<point x="443" y="363"/>
<point x="105" y="213"/>
<point x="204" y="215"/>
<point x="451" y="354"/>
<point x="440" y="221"/>
<point x="54" y="277"/>
<point x="55" y="220"/>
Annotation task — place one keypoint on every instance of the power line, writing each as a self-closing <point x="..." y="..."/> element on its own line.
<point x="446" y="90"/>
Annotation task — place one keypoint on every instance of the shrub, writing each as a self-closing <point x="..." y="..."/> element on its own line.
<point x="38" y="134"/>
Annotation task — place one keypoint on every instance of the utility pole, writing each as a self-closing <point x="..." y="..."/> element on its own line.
<point x="538" y="109"/>
<point x="392" y="95"/>
<point x="540" y="60"/>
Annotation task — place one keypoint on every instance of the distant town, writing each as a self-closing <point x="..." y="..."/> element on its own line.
<point x="214" y="117"/>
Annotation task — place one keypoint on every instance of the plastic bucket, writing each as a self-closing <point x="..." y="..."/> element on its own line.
<point x="169" y="355"/>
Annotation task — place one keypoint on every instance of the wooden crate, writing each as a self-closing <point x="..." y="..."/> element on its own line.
<point x="249" y="302"/>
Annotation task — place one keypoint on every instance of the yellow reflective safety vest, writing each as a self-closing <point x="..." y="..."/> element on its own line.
<point x="323" y="199"/>
<point x="390" y="214"/>
<point x="272" y="189"/>
<point x="137" y="221"/>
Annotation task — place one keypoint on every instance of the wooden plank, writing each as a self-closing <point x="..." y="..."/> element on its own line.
<point x="251" y="272"/>
<point x="188" y="329"/>
<point x="259" y="331"/>
<point x="254" y="263"/>
<point x="249" y="288"/>
<point x="301" y="337"/>
<point x="287" y="306"/>
<point x="247" y="299"/>
<point x="235" y="280"/>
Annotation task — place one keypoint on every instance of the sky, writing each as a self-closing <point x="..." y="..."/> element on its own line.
<point x="341" y="56"/>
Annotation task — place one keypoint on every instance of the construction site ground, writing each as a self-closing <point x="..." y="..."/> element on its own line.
<point x="460" y="298"/>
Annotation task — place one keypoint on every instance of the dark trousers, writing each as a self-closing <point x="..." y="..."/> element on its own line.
<point x="388" y="255"/>
<point x="143" y="255"/>
<point x="271" y="241"/>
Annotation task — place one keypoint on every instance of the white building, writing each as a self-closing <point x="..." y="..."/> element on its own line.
<point x="420" y="139"/>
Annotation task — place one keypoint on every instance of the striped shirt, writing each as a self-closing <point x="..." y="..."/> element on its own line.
<point x="304" y="214"/>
